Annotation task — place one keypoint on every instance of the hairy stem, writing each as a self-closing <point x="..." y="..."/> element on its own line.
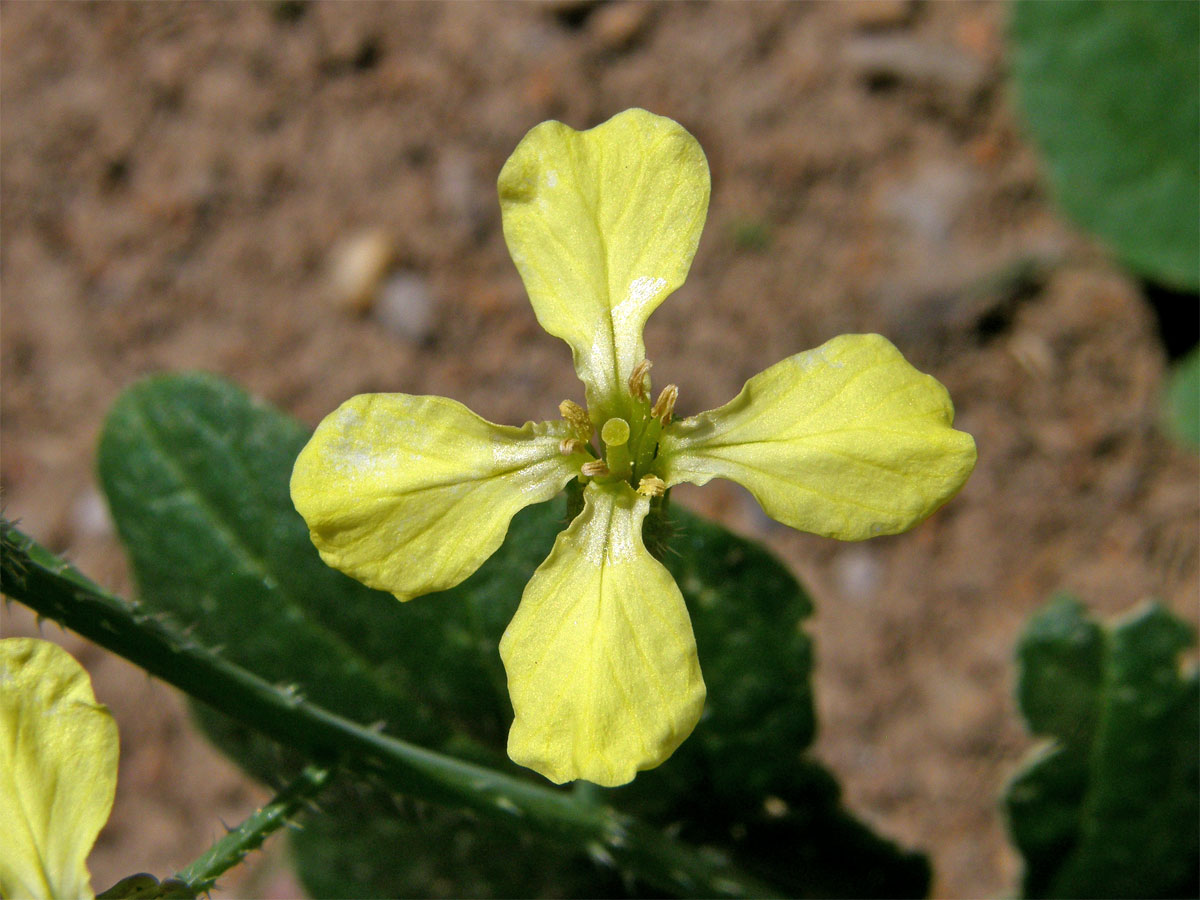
<point x="226" y="853"/>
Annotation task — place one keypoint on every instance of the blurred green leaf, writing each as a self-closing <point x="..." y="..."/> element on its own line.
<point x="750" y="234"/>
<point x="1183" y="400"/>
<point x="1109" y="807"/>
<point x="197" y="476"/>
<point x="144" y="886"/>
<point x="1111" y="93"/>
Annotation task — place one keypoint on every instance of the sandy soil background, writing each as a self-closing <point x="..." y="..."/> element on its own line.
<point x="180" y="182"/>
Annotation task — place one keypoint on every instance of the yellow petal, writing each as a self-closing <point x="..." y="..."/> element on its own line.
<point x="602" y="225"/>
<point x="847" y="441"/>
<point x="58" y="771"/>
<point x="600" y="656"/>
<point x="411" y="494"/>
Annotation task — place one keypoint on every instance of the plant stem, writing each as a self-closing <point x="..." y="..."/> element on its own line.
<point x="226" y="853"/>
<point x="46" y="584"/>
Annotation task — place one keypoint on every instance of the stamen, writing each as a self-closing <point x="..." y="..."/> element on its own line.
<point x="577" y="418"/>
<point x="638" y="386"/>
<point x="651" y="486"/>
<point x="664" y="406"/>
<point x="595" y="468"/>
<point x="571" y="446"/>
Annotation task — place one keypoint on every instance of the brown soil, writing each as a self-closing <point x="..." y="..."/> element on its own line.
<point x="177" y="180"/>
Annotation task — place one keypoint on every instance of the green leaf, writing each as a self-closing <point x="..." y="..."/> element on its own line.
<point x="144" y="886"/>
<point x="1183" y="400"/>
<point x="1062" y="669"/>
<point x="1109" y="807"/>
<point x="373" y="846"/>
<point x="1111" y="95"/>
<point x="180" y="453"/>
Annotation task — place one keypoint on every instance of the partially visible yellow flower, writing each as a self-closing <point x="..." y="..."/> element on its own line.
<point x="58" y="771"/>
<point x="411" y="494"/>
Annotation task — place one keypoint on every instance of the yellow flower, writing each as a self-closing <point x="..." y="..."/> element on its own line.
<point x="58" y="771"/>
<point x="411" y="494"/>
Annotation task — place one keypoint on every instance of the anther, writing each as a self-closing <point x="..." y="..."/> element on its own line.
<point x="665" y="404"/>
<point x="595" y="468"/>
<point x="651" y="486"/>
<point x="571" y="446"/>
<point x="637" y="380"/>
<point x="577" y="418"/>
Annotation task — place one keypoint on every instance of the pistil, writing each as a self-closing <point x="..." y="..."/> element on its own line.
<point x="615" y="435"/>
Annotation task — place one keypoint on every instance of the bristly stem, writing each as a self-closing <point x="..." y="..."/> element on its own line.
<point x="201" y="876"/>
<point x="50" y="587"/>
<point x="226" y="853"/>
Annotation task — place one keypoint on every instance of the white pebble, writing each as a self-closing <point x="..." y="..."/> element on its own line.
<point x="909" y="59"/>
<point x="405" y="306"/>
<point x="857" y="573"/>
<point x="459" y="195"/>
<point x="358" y="266"/>
<point x="929" y="203"/>
<point x="89" y="515"/>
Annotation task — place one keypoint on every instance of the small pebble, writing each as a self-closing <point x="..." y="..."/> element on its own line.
<point x="618" y="26"/>
<point x="871" y="14"/>
<point x="405" y="306"/>
<point x="459" y="194"/>
<point x="89" y="515"/>
<point x="858" y="574"/>
<point x="906" y="59"/>
<point x="357" y="268"/>
<point x="929" y="202"/>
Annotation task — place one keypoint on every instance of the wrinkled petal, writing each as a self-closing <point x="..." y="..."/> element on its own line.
<point x="602" y="225"/>
<point x="847" y="441"/>
<point x="600" y="656"/>
<point x="58" y="771"/>
<point x="411" y="494"/>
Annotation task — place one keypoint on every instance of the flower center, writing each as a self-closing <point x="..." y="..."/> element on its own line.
<point x="630" y="444"/>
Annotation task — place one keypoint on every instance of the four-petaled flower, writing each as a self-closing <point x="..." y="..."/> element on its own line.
<point x="58" y="771"/>
<point x="411" y="494"/>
